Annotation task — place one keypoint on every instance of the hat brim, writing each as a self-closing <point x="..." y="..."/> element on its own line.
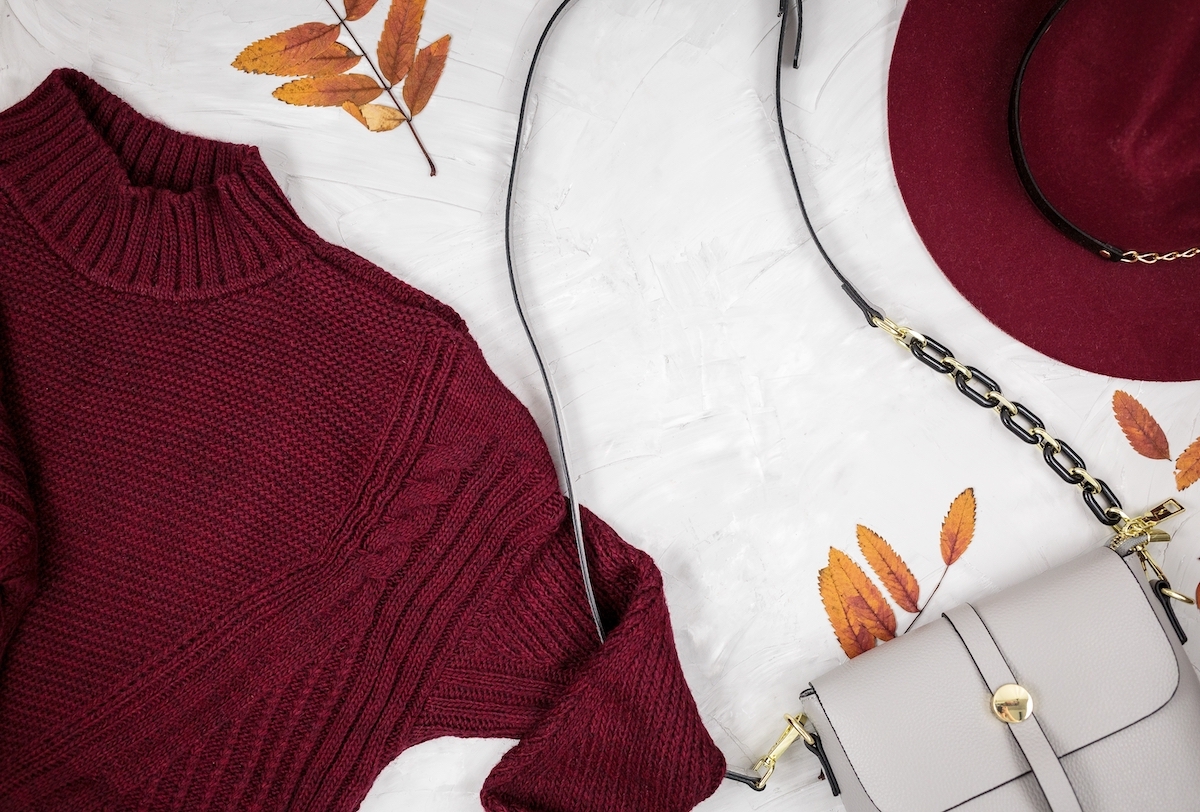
<point x="948" y="85"/>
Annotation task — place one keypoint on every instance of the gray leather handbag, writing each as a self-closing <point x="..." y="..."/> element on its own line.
<point x="1069" y="692"/>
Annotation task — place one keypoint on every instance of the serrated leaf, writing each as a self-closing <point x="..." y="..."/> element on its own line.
<point x="356" y="9"/>
<point x="398" y="42"/>
<point x="378" y="118"/>
<point x="381" y="118"/>
<point x="329" y="91"/>
<point x="863" y="600"/>
<point x="1141" y="429"/>
<point x="958" y="528"/>
<point x="890" y="568"/>
<point x="865" y="640"/>
<point x="354" y="110"/>
<point x="284" y="53"/>
<point x="1187" y="467"/>
<point x="426" y="71"/>
<point x="852" y="637"/>
<point x="338" y="59"/>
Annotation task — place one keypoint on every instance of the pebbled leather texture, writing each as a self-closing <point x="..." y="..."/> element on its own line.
<point x="908" y="726"/>
<point x="1029" y="734"/>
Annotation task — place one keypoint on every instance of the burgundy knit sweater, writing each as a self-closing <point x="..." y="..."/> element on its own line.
<point x="267" y="518"/>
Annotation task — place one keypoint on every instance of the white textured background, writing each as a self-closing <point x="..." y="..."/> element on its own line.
<point x="728" y="410"/>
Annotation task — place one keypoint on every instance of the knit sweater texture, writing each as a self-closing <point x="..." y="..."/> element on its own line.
<point x="267" y="518"/>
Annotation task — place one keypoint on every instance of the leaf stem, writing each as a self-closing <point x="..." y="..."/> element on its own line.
<point x="387" y="87"/>
<point x="928" y="601"/>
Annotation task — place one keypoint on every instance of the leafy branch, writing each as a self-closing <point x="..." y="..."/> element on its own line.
<point x="857" y="610"/>
<point x="312" y="51"/>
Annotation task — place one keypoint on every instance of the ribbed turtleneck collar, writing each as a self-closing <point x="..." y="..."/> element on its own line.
<point x="137" y="206"/>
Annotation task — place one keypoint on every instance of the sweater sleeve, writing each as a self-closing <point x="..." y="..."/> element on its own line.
<point x="610" y="727"/>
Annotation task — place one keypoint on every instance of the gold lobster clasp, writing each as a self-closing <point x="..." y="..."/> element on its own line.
<point x="794" y="730"/>
<point x="1136" y="533"/>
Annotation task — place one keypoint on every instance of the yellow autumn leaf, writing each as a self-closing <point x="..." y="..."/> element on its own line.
<point x="890" y="568"/>
<point x="381" y="118"/>
<point x="1187" y="467"/>
<point x="958" y="528"/>
<point x="354" y="110"/>
<point x="329" y="91"/>
<point x="851" y="636"/>
<point x="863" y="600"/>
<point x="336" y="59"/>
<point x="285" y="53"/>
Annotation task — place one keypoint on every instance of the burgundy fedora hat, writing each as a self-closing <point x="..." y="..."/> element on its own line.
<point x="1110" y="124"/>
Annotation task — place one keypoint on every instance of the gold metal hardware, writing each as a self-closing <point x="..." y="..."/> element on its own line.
<point x="1143" y="529"/>
<point x="1156" y="536"/>
<point x="1085" y="479"/>
<point x="1148" y="561"/>
<point x="958" y="367"/>
<point x="914" y="338"/>
<point x="1144" y="525"/>
<point x="1044" y="439"/>
<point x="1164" y="511"/>
<point x="902" y="335"/>
<point x="1178" y="596"/>
<point x="1151" y="257"/>
<point x="1001" y="402"/>
<point x="794" y="730"/>
<point x="1012" y="704"/>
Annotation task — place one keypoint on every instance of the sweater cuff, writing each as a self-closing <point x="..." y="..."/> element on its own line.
<point x="624" y="733"/>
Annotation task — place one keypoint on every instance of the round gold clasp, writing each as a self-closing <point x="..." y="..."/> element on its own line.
<point x="1012" y="704"/>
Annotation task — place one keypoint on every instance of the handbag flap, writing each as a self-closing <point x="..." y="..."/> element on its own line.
<point x="913" y="715"/>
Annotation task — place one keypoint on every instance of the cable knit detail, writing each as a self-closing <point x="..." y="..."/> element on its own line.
<point x="267" y="518"/>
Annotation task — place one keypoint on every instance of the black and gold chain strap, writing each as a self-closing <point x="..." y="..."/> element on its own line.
<point x="977" y="387"/>
<point x="974" y="384"/>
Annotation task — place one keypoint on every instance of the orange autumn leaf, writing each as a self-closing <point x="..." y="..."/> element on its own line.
<point x="329" y="91"/>
<point x="958" y="528"/>
<point x="398" y="42"/>
<point x="863" y="601"/>
<point x="356" y="111"/>
<point x="1140" y="427"/>
<point x="375" y="117"/>
<point x="895" y="575"/>
<point x="337" y="59"/>
<point x="1187" y="467"/>
<point x="284" y="53"/>
<point x="866" y="640"/>
<point x="853" y="637"/>
<point x="356" y="9"/>
<point x="426" y="71"/>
